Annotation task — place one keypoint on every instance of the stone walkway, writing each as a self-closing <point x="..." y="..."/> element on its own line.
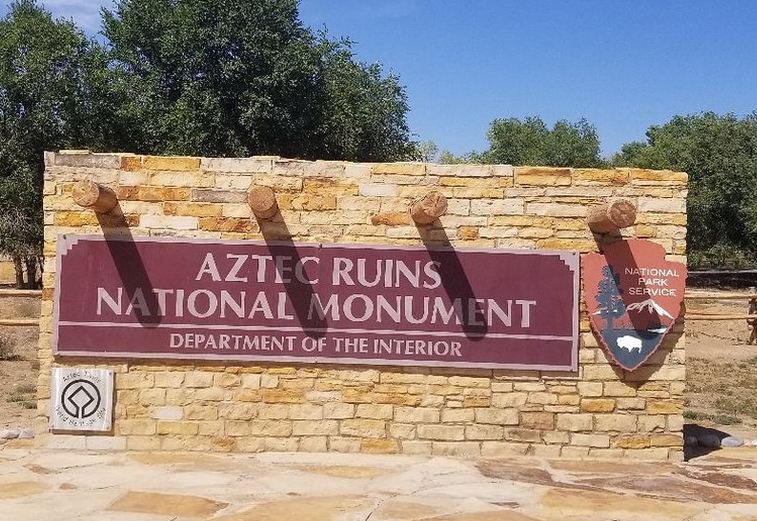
<point x="42" y="485"/>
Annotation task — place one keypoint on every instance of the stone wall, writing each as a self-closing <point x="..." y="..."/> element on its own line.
<point x="600" y="411"/>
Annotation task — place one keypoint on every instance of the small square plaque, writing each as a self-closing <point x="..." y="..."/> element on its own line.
<point x="82" y="399"/>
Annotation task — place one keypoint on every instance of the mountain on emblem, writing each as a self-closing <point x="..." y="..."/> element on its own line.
<point x="651" y="306"/>
<point x="633" y="296"/>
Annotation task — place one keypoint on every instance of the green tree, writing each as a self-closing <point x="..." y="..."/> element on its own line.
<point x="245" y="77"/>
<point x="609" y="297"/>
<point x="44" y="104"/>
<point x="531" y="142"/>
<point x="719" y="152"/>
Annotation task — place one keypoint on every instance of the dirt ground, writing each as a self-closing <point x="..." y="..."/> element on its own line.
<point x="18" y="363"/>
<point x="721" y="372"/>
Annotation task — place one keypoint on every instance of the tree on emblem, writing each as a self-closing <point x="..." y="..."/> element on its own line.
<point x="609" y="297"/>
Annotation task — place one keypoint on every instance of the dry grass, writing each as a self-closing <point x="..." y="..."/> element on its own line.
<point x="722" y="392"/>
<point x="7" y="347"/>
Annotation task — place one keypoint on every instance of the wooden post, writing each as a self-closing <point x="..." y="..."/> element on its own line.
<point x="604" y="218"/>
<point x="752" y="310"/>
<point x="429" y="208"/>
<point x="262" y="201"/>
<point x="96" y="197"/>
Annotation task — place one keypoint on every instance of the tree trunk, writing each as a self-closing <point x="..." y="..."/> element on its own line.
<point x="19" y="267"/>
<point x="31" y="272"/>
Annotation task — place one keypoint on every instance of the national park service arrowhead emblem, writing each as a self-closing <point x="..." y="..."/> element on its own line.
<point x="633" y="296"/>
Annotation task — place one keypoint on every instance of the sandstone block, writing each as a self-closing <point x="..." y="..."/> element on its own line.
<point x="619" y="389"/>
<point x="441" y="432"/>
<point x="497" y="416"/>
<point x="416" y="447"/>
<point x="169" y="222"/>
<point x="219" y="196"/>
<point x="377" y="190"/>
<point x="379" y="446"/>
<point x="399" y="168"/>
<point x="375" y="411"/>
<point x="269" y="411"/>
<point x="537" y="420"/>
<point x="402" y="431"/>
<point x="507" y="400"/>
<point x="364" y="428"/>
<point x="169" y="379"/>
<point x="242" y="165"/>
<point x="597" y="405"/>
<point x="497" y="207"/>
<point x="171" y="163"/>
<point x="666" y="440"/>
<point x="315" y="428"/>
<point x="314" y="444"/>
<point x="632" y="441"/>
<point x="270" y="428"/>
<point x="461" y="449"/>
<point x="168" y="413"/>
<point x="590" y="440"/>
<point x="237" y="411"/>
<point x="86" y="159"/>
<point x="484" y="432"/>
<point x="502" y="449"/>
<point x="336" y="410"/>
<point x="557" y="209"/>
<point x="457" y="415"/>
<point x="574" y="422"/>
<point x="665" y="407"/>
<point x="416" y="415"/>
<point x="192" y="209"/>
<point x="615" y="422"/>
<point x="185" y="428"/>
<point x="306" y="412"/>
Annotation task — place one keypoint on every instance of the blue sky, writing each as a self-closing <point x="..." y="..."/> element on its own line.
<point x="622" y="65"/>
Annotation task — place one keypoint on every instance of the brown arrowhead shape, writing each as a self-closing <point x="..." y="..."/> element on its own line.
<point x="633" y="297"/>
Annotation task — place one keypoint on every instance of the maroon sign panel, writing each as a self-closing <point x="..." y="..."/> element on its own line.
<point x="177" y="298"/>
<point x="633" y="297"/>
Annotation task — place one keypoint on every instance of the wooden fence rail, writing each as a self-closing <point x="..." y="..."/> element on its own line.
<point x="750" y="316"/>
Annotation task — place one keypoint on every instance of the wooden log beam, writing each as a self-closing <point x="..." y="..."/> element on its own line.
<point x="611" y="216"/>
<point x="719" y="296"/>
<point x="700" y="316"/>
<point x="96" y="197"/>
<point x="429" y="208"/>
<point x="20" y="292"/>
<point x="262" y="201"/>
<point x="22" y="322"/>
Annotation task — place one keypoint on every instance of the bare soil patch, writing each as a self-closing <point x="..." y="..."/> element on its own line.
<point x="18" y="363"/>
<point x="721" y="369"/>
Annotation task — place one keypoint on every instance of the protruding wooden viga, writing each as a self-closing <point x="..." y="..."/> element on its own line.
<point x="429" y="208"/>
<point x="262" y="201"/>
<point x="96" y="197"/>
<point x="604" y="218"/>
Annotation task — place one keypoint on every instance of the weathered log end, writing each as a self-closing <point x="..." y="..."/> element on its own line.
<point x="96" y="197"/>
<point x="262" y="201"/>
<point x="429" y="208"/>
<point x="608" y="217"/>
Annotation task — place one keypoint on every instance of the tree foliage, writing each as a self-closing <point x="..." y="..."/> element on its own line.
<point x="609" y="297"/>
<point x="226" y="78"/>
<point x="244" y="77"/>
<point x="719" y="152"/>
<point x="531" y="142"/>
<point x="45" y="103"/>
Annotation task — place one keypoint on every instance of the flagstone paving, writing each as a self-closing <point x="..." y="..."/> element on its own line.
<point x="40" y="485"/>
